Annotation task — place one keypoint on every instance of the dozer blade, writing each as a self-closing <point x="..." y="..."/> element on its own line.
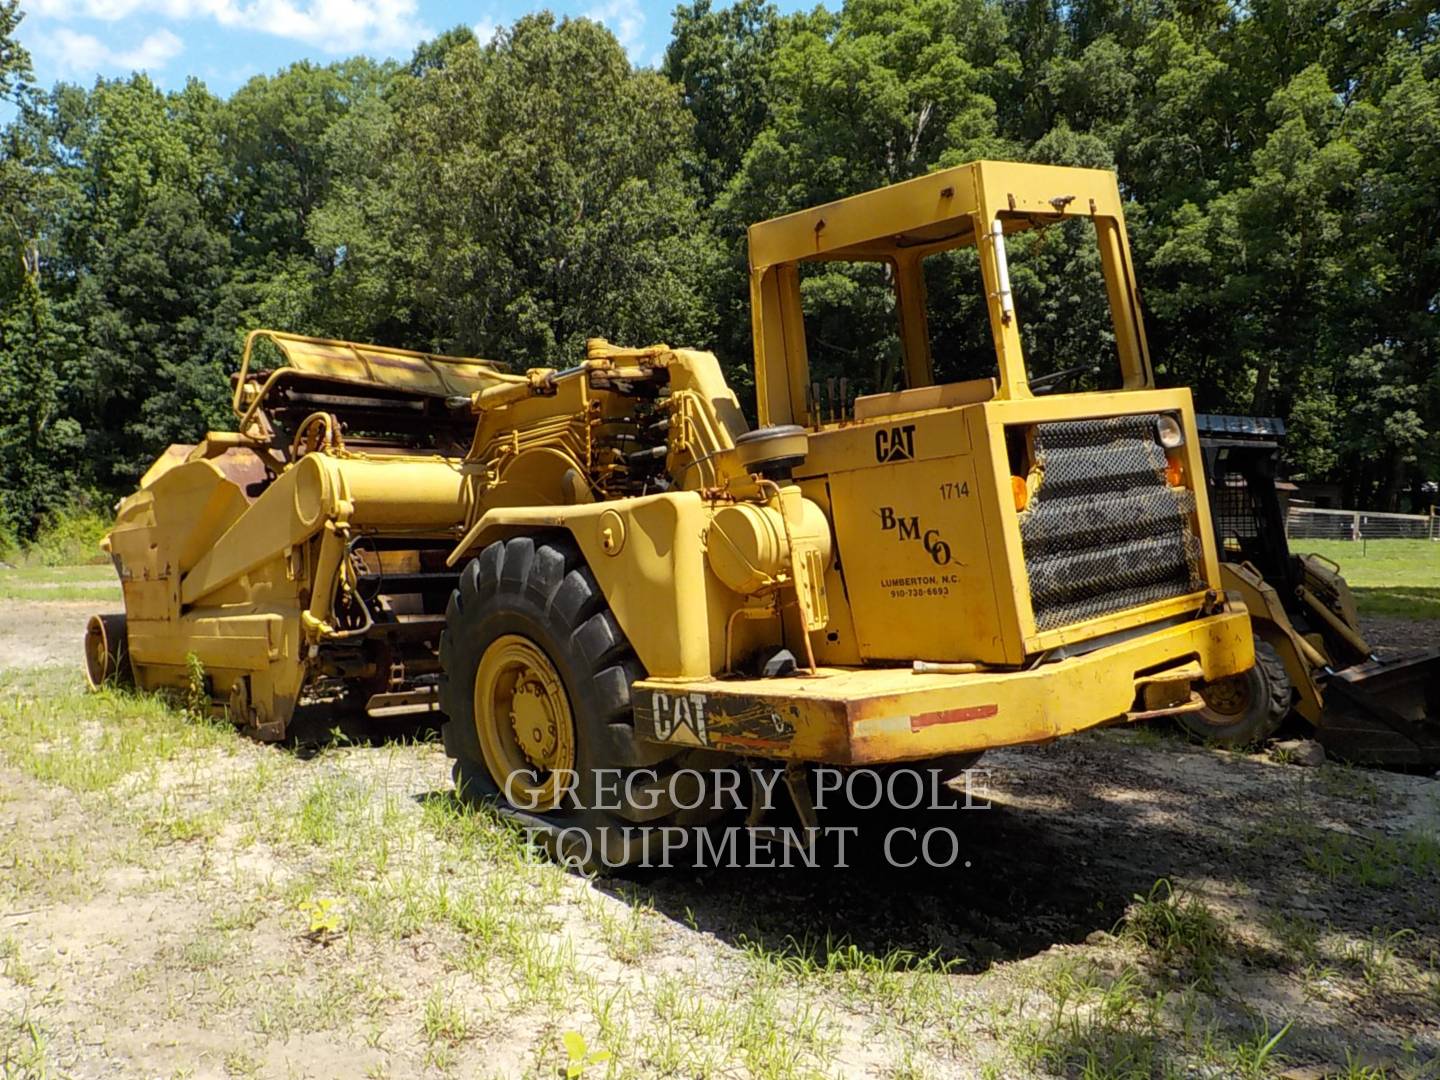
<point x="1385" y="711"/>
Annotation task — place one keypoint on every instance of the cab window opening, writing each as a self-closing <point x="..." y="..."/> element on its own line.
<point x="1061" y="305"/>
<point x="851" y="328"/>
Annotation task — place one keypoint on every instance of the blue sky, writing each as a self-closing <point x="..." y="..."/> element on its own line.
<point x="225" y="42"/>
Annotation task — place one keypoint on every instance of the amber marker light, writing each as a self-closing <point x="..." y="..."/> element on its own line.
<point x="1174" y="470"/>
<point x="1021" y="491"/>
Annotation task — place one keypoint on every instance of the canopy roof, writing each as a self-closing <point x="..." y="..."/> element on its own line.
<point x="934" y="212"/>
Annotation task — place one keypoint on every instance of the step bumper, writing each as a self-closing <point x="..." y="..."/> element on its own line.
<point x="856" y="716"/>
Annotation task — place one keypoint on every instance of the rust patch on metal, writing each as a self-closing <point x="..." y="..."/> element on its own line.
<point x="952" y="716"/>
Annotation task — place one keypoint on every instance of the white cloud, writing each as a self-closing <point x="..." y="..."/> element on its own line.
<point x="334" y="25"/>
<point x="625" y="20"/>
<point x="84" y="54"/>
<point x="157" y="50"/>
<point x="485" y="30"/>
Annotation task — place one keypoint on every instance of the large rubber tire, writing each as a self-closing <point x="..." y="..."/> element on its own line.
<point x="525" y="591"/>
<point x="1244" y="709"/>
<point x="107" y="653"/>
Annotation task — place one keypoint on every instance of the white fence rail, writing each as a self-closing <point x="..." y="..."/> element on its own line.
<point x="1311" y="523"/>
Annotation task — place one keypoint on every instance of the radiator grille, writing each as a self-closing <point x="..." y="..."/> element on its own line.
<point x="1104" y="531"/>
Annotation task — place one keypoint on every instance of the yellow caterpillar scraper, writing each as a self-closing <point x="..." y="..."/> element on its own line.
<point x="304" y="553"/>
<point x="606" y="577"/>
<point x="1369" y="706"/>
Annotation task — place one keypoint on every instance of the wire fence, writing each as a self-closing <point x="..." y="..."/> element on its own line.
<point x="1311" y="523"/>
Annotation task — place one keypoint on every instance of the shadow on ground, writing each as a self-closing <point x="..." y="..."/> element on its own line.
<point x="1002" y="886"/>
<point x="316" y="728"/>
<point x="1074" y="833"/>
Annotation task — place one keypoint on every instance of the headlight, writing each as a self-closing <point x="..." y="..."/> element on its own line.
<point x="1169" y="432"/>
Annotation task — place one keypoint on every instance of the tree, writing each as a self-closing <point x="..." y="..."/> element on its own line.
<point x="151" y="260"/>
<point x="17" y="174"/>
<point x="277" y="153"/>
<point x="1388" y="374"/>
<point x="722" y="60"/>
<point x="1280" y="161"/>
<point x="282" y="166"/>
<point x="15" y="70"/>
<point x="38" y="443"/>
<point x="431" y="55"/>
<point x="535" y="194"/>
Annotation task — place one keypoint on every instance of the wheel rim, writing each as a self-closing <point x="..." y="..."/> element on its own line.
<point x="522" y="715"/>
<point x="99" y="662"/>
<point x="1228" y="698"/>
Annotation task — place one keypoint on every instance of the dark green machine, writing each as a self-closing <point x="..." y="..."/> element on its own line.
<point x="1367" y="705"/>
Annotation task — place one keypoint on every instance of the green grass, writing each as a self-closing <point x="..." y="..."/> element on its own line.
<point x="24" y="1048"/>
<point x="1390" y="578"/>
<point x="1178" y="929"/>
<point x="1376" y="861"/>
<point x="508" y="942"/>
<point x="1088" y="1023"/>
<point x="56" y="731"/>
<point x="95" y="582"/>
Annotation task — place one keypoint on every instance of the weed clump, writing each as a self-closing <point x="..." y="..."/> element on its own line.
<point x="1178" y="929"/>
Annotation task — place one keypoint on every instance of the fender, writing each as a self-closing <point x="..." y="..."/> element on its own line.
<point x="648" y="555"/>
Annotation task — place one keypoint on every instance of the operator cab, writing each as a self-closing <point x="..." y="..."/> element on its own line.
<point x="863" y="306"/>
<point x="1004" y="480"/>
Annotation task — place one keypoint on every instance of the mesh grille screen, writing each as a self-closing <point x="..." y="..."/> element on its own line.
<point x="1103" y="531"/>
<point x="1233" y="509"/>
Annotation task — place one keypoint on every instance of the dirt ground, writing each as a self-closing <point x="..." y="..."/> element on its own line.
<point x="38" y="633"/>
<point x="178" y="901"/>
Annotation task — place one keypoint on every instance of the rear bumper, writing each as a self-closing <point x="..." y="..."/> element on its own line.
<point x="853" y="716"/>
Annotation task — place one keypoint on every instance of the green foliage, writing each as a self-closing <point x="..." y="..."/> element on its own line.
<point x="69" y="536"/>
<point x="1281" y="164"/>
<point x="324" y="921"/>
<point x="579" y="1056"/>
<point x="722" y="61"/>
<point x="38" y="443"/>
<point x="66" y="544"/>
<point x="14" y="60"/>
<point x="536" y="196"/>
<point x="882" y="91"/>
<point x="197" y="690"/>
